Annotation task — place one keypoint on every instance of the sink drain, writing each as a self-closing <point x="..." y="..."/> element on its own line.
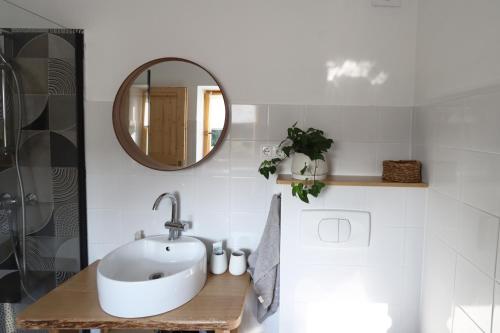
<point x="156" y="276"/>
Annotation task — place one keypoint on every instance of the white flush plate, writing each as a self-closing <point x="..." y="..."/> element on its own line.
<point x="335" y="228"/>
<point x="386" y="3"/>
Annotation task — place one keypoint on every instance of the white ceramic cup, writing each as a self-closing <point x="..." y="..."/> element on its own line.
<point x="218" y="263"/>
<point x="237" y="263"/>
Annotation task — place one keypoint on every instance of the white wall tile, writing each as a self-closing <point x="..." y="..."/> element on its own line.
<point x="387" y="246"/>
<point x="245" y="158"/>
<point x="99" y="250"/>
<point x="252" y="223"/>
<point x="473" y="293"/>
<point x="105" y="191"/>
<point x="359" y="124"/>
<point x="449" y="122"/>
<point x="326" y="118"/>
<point x="155" y="186"/>
<point x="456" y="134"/>
<point x="415" y="200"/>
<point x="410" y="302"/>
<point x="102" y="148"/>
<point x="456" y="142"/>
<point x="248" y="194"/>
<point x="104" y="225"/>
<point x="478" y="238"/>
<point x="445" y="170"/>
<point x="496" y="310"/>
<point x="211" y="227"/>
<point x="463" y="324"/>
<point x="344" y="197"/>
<point x="437" y="287"/>
<point x="414" y="242"/>
<point x="481" y="181"/>
<point x="394" y="124"/>
<point x="217" y="165"/>
<point x="332" y="257"/>
<point x="225" y="198"/>
<point x="150" y="222"/>
<point x="281" y="117"/>
<point x="212" y="194"/>
<point x="243" y="240"/>
<point x="354" y="158"/>
<point x="443" y="218"/>
<point x="424" y="126"/>
<point x="372" y="283"/>
<point x="387" y="206"/>
<point x="249" y="122"/>
<point x="482" y="116"/>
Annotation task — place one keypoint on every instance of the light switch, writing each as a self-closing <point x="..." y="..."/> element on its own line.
<point x="386" y="3"/>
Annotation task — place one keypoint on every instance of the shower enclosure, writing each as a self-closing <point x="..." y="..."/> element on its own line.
<point x="42" y="175"/>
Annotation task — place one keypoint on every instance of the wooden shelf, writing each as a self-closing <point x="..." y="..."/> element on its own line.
<point x="352" y="181"/>
<point x="75" y="305"/>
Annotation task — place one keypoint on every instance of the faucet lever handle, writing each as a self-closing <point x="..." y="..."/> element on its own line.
<point x="175" y="225"/>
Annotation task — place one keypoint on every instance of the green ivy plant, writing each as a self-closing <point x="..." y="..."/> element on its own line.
<point x="312" y="143"/>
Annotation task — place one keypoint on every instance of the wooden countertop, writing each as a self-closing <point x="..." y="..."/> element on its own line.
<point x="351" y="181"/>
<point x="74" y="305"/>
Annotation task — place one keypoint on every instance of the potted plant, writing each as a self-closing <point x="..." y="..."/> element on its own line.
<point x="307" y="149"/>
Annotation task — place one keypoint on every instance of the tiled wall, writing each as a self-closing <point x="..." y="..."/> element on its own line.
<point x="459" y="142"/>
<point x="363" y="289"/>
<point x="225" y="198"/>
<point x="47" y="66"/>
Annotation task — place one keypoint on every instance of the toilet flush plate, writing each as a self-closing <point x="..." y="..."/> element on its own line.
<point x="335" y="228"/>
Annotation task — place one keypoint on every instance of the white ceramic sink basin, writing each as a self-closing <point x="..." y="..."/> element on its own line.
<point x="151" y="276"/>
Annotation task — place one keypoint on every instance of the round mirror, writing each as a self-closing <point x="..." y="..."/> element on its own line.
<point x="170" y="114"/>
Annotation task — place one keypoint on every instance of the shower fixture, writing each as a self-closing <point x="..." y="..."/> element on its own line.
<point x="5" y="141"/>
<point x="9" y="199"/>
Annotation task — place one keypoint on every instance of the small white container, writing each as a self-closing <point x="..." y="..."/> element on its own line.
<point x="218" y="263"/>
<point x="238" y="263"/>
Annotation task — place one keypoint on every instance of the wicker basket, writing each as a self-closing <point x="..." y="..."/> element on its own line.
<point x="402" y="171"/>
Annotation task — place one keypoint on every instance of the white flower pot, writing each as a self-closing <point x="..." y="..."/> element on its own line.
<point x="300" y="160"/>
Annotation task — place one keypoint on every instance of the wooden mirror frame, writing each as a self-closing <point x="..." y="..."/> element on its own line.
<point x="120" y="118"/>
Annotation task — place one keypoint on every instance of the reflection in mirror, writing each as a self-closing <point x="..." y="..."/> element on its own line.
<point x="175" y="114"/>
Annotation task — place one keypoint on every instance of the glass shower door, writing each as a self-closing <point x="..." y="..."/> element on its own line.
<point x="50" y="241"/>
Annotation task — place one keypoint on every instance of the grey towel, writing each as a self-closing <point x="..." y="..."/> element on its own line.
<point x="264" y="264"/>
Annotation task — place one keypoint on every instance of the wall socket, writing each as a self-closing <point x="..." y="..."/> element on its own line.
<point x="386" y="3"/>
<point x="271" y="151"/>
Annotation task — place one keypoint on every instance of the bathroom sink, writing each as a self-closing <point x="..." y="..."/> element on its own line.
<point x="151" y="276"/>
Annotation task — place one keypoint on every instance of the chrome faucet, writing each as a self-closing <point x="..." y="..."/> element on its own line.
<point x="174" y="226"/>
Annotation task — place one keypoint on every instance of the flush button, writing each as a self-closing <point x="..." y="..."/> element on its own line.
<point x="328" y="230"/>
<point x="334" y="228"/>
<point x="344" y="230"/>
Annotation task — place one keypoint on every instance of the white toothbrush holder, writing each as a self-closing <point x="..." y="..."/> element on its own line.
<point x="238" y="263"/>
<point x="218" y="263"/>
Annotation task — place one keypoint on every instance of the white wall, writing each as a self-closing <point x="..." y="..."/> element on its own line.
<point x="14" y="17"/>
<point x="267" y="54"/>
<point x="456" y="136"/>
<point x="372" y="289"/>
<point x="458" y="47"/>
